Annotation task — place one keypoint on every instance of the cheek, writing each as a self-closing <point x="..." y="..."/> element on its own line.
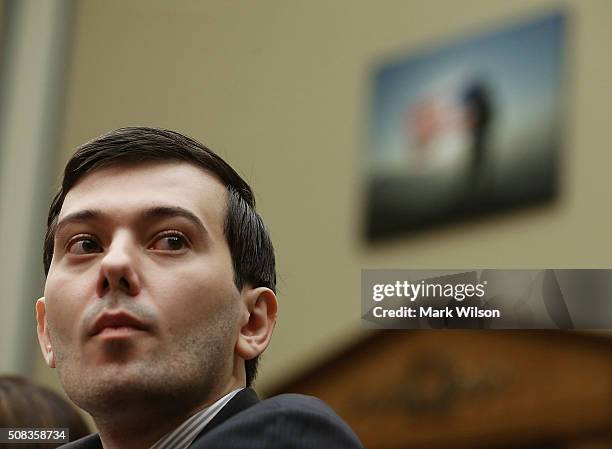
<point x="65" y="298"/>
<point x="196" y="297"/>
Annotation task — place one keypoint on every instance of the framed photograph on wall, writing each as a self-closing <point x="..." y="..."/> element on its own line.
<point x="466" y="128"/>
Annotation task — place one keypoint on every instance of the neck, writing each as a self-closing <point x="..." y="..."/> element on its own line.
<point x="142" y="425"/>
<point x="139" y="433"/>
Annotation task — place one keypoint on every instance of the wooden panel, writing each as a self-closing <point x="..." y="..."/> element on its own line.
<point x="469" y="389"/>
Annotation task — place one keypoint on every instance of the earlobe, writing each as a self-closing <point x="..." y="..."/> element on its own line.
<point x="260" y="319"/>
<point x="43" y="333"/>
<point x="50" y="358"/>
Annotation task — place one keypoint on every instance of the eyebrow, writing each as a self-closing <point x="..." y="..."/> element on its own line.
<point x="153" y="213"/>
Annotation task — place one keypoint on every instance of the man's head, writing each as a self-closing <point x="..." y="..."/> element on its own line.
<point x="154" y="239"/>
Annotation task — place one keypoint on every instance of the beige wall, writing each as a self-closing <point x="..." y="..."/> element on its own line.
<point x="280" y="88"/>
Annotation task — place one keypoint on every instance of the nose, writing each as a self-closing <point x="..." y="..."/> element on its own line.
<point x="119" y="268"/>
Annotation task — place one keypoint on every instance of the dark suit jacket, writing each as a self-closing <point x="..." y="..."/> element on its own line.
<point x="288" y="421"/>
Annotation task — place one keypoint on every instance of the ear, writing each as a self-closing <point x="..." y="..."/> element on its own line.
<point x="43" y="332"/>
<point x="258" y="321"/>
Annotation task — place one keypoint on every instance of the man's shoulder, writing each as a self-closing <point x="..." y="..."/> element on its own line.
<point x="299" y="404"/>
<point x="288" y="421"/>
<point x="293" y="400"/>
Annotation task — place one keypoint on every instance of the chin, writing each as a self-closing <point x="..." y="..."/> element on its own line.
<point x="109" y="388"/>
<point x="109" y="385"/>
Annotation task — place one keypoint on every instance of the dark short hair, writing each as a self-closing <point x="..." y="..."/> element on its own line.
<point x="247" y="237"/>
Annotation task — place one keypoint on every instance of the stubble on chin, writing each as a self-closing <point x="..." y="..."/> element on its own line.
<point x="181" y="377"/>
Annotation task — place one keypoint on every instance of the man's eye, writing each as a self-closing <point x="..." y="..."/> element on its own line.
<point x="170" y="242"/>
<point x="84" y="246"/>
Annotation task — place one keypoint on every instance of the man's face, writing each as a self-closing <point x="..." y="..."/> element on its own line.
<point x="140" y="300"/>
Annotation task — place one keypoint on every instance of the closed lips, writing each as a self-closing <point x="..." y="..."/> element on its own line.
<point x="116" y="321"/>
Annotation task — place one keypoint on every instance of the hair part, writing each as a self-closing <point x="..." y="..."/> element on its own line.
<point x="247" y="237"/>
